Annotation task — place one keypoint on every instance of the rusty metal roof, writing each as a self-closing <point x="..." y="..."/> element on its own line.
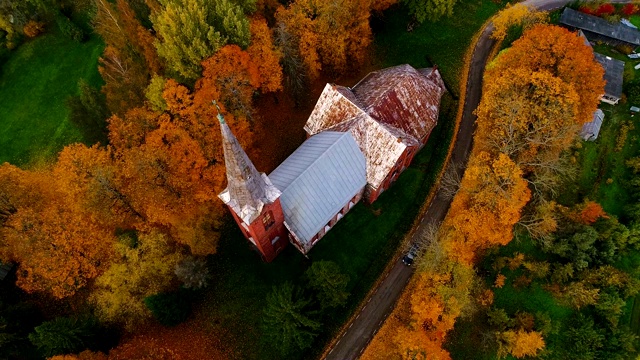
<point x="386" y="112"/>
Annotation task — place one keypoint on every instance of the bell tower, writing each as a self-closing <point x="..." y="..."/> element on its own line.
<point x="252" y="199"/>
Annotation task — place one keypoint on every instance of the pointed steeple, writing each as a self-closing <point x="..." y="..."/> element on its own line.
<point x="247" y="190"/>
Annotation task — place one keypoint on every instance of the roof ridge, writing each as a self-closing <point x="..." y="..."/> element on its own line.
<point x="318" y="158"/>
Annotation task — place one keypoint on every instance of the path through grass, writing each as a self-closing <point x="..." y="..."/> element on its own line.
<point x="34" y="83"/>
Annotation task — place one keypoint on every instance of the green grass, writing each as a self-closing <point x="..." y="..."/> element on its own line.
<point x="34" y="82"/>
<point x="361" y="244"/>
<point x="635" y="20"/>
<point x="599" y="161"/>
<point x="443" y="43"/>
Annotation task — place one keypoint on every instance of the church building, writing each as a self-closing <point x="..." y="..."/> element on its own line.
<point x="360" y="140"/>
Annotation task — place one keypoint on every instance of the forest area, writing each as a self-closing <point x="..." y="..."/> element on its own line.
<point x="112" y="219"/>
<point x="538" y="256"/>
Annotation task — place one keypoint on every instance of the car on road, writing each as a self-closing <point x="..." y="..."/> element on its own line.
<point x="410" y="256"/>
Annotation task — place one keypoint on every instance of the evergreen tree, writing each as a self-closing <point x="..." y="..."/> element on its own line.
<point x="64" y="335"/>
<point x="288" y="323"/>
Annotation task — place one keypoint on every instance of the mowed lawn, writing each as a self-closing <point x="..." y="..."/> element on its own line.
<point x="34" y="83"/>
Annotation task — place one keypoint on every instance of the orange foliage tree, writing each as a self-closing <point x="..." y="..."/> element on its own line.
<point x="234" y="75"/>
<point x="58" y="247"/>
<point x="590" y="212"/>
<point x="265" y="55"/>
<point x="331" y="34"/>
<point x="493" y="192"/>
<point x="564" y="55"/>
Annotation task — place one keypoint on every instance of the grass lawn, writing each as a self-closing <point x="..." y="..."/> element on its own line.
<point x="602" y="171"/>
<point x="361" y="244"/>
<point x="443" y="43"/>
<point x="34" y="83"/>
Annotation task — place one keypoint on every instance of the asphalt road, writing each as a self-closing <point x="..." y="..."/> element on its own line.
<point x="361" y="330"/>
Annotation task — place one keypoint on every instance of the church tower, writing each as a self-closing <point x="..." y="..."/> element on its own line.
<point x="253" y="200"/>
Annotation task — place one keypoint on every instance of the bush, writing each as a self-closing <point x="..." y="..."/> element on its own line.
<point x="170" y="308"/>
<point x="70" y="29"/>
<point x="88" y="111"/>
<point x="33" y="28"/>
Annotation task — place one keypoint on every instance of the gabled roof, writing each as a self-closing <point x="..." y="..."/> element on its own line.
<point x="386" y="112"/>
<point x="318" y="180"/>
<point x="591" y="129"/>
<point x="402" y="97"/>
<point x="247" y="190"/>
<point x="613" y="74"/>
<point x="600" y="26"/>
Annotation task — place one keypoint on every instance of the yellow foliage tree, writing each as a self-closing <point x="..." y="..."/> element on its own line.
<point x="514" y="15"/>
<point x="137" y="272"/>
<point x="519" y="343"/>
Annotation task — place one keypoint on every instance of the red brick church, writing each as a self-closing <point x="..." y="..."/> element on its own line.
<point x="360" y="140"/>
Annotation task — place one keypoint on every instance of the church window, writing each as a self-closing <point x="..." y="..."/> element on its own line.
<point x="267" y="220"/>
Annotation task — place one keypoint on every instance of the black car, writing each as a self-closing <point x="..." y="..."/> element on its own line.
<point x="408" y="259"/>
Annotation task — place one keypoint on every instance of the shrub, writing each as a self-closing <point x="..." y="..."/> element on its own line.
<point x="629" y="9"/>
<point x="33" y="28"/>
<point x="170" y="308"/>
<point x="605" y="9"/>
<point x="70" y="29"/>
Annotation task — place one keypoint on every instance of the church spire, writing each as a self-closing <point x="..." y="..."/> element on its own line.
<point x="247" y="190"/>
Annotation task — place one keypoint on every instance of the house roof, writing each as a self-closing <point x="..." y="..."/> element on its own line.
<point x="318" y="180"/>
<point x="387" y="111"/>
<point x="600" y="26"/>
<point x="613" y="74"/>
<point x="402" y="97"/>
<point x="591" y="129"/>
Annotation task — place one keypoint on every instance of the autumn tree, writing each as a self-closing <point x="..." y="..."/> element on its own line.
<point x="492" y="192"/>
<point x="328" y="282"/>
<point x="564" y="55"/>
<point x="519" y="343"/>
<point x="136" y="272"/>
<point x="334" y="35"/>
<point x="431" y="10"/>
<point x="530" y="117"/>
<point x="129" y="59"/>
<point x="265" y="55"/>
<point x="58" y="246"/>
<point x="234" y="75"/>
<point x="85" y="355"/>
<point x="517" y="15"/>
<point x="89" y="113"/>
<point x="192" y="30"/>
<point x="287" y="321"/>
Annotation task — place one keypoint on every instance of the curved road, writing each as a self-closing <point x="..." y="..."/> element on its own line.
<point x="361" y="330"/>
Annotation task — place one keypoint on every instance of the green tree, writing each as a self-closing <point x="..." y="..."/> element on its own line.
<point x="169" y="308"/>
<point x="328" y="283"/>
<point x="64" y="335"/>
<point x="288" y="322"/>
<point x="192" y="30"/>
<point x="582" y="340"/>
<point x="431" y="10"/>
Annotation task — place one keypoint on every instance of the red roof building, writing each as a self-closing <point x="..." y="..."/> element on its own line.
<point x="360" y="140"/>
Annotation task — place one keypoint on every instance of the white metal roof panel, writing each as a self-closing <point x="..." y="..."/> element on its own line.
<point x="318" y="180"/>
